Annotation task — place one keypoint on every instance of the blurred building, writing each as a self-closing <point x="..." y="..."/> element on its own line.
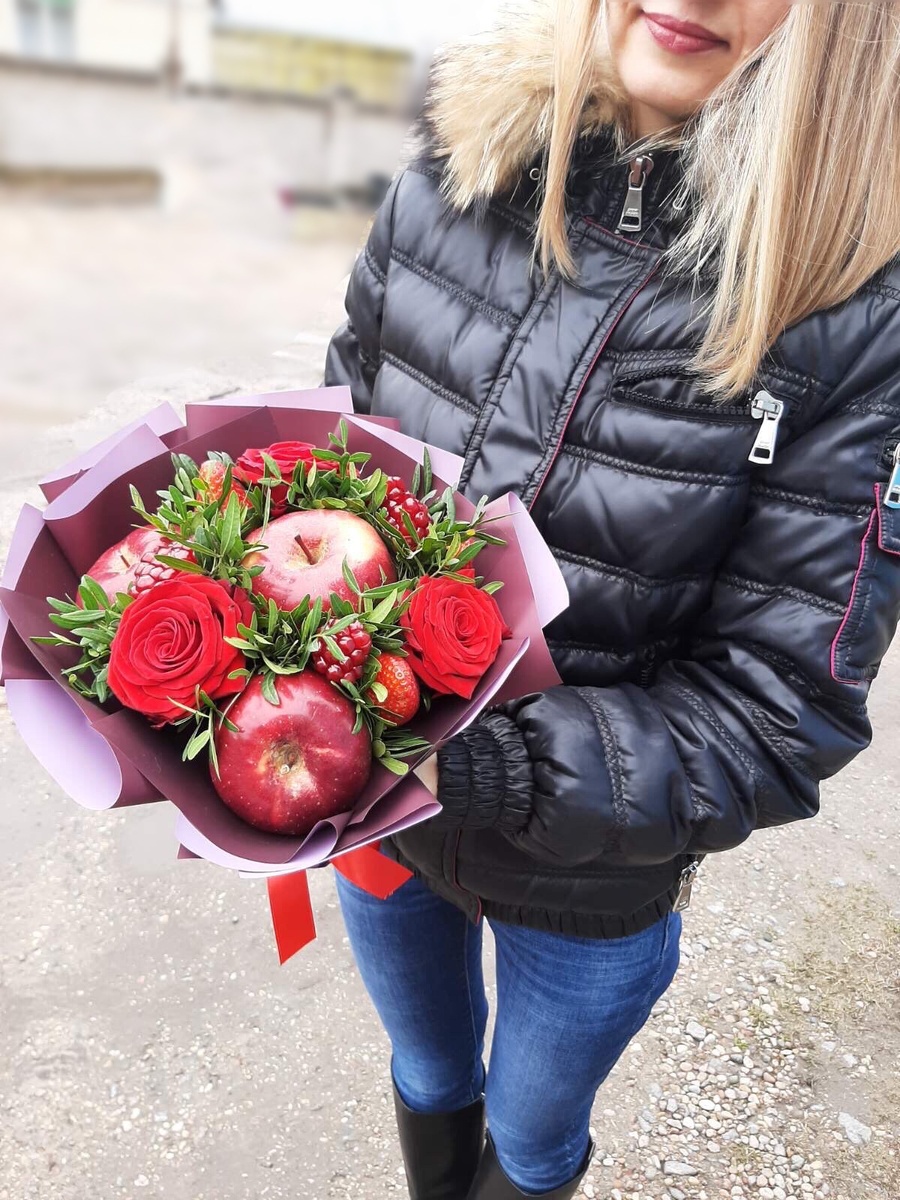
<point x="126" y="35"/>
<point x="174" y="102"/>
<point x="269" y="60"/>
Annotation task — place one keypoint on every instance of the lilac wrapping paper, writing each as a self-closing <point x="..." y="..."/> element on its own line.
<point x="109" y="757"/>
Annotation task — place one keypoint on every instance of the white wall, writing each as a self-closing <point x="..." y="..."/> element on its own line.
<point x="216" y="152"/>
<point x="7" y="27"/>
<point x="138" y="34"/>
<point x="130" y="34"/>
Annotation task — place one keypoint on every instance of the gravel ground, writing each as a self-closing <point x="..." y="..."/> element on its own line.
<point x="151" y="1046"/>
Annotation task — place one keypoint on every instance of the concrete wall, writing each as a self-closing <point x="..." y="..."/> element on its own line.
<point x="224" y="149"/>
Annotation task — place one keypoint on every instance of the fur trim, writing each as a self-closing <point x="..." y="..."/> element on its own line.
<point x="489" y="105"/>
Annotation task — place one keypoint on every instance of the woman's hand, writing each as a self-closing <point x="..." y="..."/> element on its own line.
<point x="427" y="771"/>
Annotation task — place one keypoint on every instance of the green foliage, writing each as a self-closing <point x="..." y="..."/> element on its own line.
<point x="222" y="530"/>
<point x="91" y="627"/>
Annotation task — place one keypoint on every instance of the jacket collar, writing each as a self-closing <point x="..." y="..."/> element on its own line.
<point x="489" y="105"/>
<point x="598" y="187"/>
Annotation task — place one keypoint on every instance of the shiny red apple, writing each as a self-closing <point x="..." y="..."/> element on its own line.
<point x="305" y="552"/>
<point x="114" y="569"/>
<point x="292" y="765"/>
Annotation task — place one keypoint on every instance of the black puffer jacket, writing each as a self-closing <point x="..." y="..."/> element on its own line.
<point x="726" y="616"/>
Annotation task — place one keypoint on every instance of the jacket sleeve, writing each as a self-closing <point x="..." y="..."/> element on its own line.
<point x="353" y="353"/>
<point x="768" y="697"/>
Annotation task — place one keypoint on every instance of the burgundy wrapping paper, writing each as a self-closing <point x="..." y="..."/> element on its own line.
<point x="108" y="756"/>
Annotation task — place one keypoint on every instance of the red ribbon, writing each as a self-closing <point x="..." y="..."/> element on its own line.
<point x="292" y="914"/>
<point x="373" y="871"/>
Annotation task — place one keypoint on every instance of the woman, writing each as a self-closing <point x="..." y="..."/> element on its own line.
<point x="685" y="358"/>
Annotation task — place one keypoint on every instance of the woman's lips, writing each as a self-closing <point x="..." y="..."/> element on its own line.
<point x="681" y="37"/>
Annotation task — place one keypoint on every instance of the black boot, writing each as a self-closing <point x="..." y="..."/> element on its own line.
<point x="440" y="1150"/>
<point x="491" y="1182"/>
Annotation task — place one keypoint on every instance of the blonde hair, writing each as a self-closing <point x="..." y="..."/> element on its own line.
<point x="792" y="166"/>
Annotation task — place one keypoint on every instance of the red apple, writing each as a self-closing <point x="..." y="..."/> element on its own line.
<point x="114" y="569"/>
<point x="293" y="764"/>
<point x="305" y="553"/>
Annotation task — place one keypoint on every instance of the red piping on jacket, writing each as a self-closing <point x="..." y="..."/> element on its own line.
<point x="875" y="519"/>
<point x="873" y="516"/>
<point x="587" y="376"/>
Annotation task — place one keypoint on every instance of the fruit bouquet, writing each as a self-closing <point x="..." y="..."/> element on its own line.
<point x="267" y="615"/>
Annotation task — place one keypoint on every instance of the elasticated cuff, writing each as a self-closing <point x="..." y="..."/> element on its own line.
<point x="485" y="778"/>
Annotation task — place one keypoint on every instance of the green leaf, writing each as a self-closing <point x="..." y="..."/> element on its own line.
<point x="379" y="691"/>
<point x="92" y="594"/>
<point x="350" y="579"/>
<point x="395" y="765"/>
<point x="490" y="588"/>
<point x="333" y="648"/>
<point x="81" y="616"/>
<point x="240" y="644"/>
<point x="312" y="621"/>
<point x="231" y="528"/>
<point x="279" y="668"/>
<point x="273" y="471"/>
<point x="200" y="739"/>
<point x="383" y="610"/>
<point x="181" y="564"/>
<point x="465" y="556"/>
<point x="270" y="691"/>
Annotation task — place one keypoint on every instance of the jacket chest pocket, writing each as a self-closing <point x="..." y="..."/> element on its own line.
<point x="873" y="608"/>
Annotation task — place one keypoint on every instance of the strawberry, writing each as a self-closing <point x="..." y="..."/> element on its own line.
<point x="403" y="697"/>
<point x="212" y="473"/>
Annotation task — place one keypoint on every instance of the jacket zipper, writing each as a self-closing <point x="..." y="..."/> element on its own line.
<point x="649" y="664"/>
<point x="738" y="414"/>
<point x="766" y="407"/>
<point x="769" y="409"/>
<point x="632" y="218"/>
<point x="686" y="884"/>
<point x="892" y="495"/>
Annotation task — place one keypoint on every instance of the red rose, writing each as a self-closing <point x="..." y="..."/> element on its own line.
<point x="454" y="631"/>
<point x="250" y="468"/>
<point x="171" y="643"/>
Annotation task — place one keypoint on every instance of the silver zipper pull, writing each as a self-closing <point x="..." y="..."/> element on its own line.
<point x="892" y="495"/>
<point x="771" y="410"/>
<point x="686" y="887"/>
<point x="632" y="218"/>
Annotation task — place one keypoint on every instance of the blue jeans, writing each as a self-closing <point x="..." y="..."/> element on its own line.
<point x="566" y="1009"/>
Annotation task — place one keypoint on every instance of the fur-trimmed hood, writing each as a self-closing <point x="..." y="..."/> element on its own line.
<point x="489" y="104"/>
